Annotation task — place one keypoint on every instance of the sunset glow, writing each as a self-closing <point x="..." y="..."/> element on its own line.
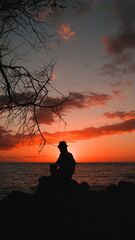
<point x="95" y="66"/>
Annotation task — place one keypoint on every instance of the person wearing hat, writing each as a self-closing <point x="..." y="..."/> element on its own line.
<point x="65" y="165"/>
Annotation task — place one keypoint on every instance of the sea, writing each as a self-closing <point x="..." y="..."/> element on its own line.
<point x="24" y="176"/>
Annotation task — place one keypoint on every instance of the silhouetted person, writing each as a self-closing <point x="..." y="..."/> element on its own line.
<point x="65" y="165"/>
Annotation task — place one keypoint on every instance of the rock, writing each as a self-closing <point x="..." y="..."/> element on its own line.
<point x="63" y="208"/>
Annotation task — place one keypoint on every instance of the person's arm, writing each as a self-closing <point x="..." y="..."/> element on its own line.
<point x="57" y="163"/>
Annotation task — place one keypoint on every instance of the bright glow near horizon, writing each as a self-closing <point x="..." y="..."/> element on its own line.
<point x="93" y="59"/>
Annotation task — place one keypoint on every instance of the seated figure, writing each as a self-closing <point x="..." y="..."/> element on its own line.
<point x="65" y="165"/>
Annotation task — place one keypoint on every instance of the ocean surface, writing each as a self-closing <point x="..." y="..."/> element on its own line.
<point x="24" y="176"/>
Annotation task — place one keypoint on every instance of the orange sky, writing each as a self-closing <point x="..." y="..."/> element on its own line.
<point x="116" y="148"/>
<point x="95" y="65"/>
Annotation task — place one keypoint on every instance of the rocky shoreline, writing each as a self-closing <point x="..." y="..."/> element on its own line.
<point x="66" y="209"/>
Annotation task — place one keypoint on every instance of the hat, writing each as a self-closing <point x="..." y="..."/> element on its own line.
<point x="62" y="144"/>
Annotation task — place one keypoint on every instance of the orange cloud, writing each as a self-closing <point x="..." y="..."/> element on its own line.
<point x="121" y="115"/>
<point x="7" y="141"/>
<point x="92" y="132"/>
<point x="65" y="32"/>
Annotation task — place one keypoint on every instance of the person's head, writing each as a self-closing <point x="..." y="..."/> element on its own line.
<point x="62" y="146"/>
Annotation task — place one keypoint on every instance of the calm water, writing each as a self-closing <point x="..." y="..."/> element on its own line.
<point x="24" y="176"/>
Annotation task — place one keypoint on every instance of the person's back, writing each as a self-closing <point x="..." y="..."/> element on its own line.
<point x="65" y="165"/>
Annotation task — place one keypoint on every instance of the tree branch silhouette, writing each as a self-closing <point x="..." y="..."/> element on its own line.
<point x="23" y="92"/>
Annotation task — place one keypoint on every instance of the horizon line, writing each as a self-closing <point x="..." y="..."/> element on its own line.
<point x="76" y="162"/>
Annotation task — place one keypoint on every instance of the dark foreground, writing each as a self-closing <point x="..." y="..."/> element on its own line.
<point x="65" y="209"/>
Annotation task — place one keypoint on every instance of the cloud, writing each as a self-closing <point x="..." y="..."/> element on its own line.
<point x="46" y="116"/>
<point x="92" y="132"/>
<point x="21" y="98"/>
<point x="122" y="83"/>
<point x="118" y="93"/>
<point x="123" y="115"/>
<point x="89" y="99"/>
<point x="8" y="141"/>
<point x="65" y="32"/>
<point x="122" y="44"/>
<point x="52" y="106"/>
<point x="76" y="100"/>
<point x="126" y="126"/>
<point x="115" y="70"/>
<point x="117" y="46"/>
<point x="57" y="9"/>
<point x="2" y="131"/>
<point x="111" y="70"/>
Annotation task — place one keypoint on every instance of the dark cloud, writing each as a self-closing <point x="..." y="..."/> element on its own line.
<point x="46" y="116"/>
<point x="121" y="46"/>
<point x="76" y="100"/>
<point x="20" y="98"/>
<point x="126" y="126"/>
<point x="115" y="70"/>
<point x="79" y="100"/>
<point x="2" y="131"/>
<point x="111" y="70"/>
<point x="117" y="46"/>
<point x="123" y="115"/>
<point x="51" y="106"/>
<point x="8" y="141"/>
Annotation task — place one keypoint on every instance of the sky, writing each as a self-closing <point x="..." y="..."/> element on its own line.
<point x="94" y="50"/>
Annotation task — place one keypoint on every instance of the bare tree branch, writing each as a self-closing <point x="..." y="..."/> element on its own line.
<point x="22" y="92"/>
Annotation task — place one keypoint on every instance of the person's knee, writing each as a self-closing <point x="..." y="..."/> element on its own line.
<point x="53" y="169"/>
